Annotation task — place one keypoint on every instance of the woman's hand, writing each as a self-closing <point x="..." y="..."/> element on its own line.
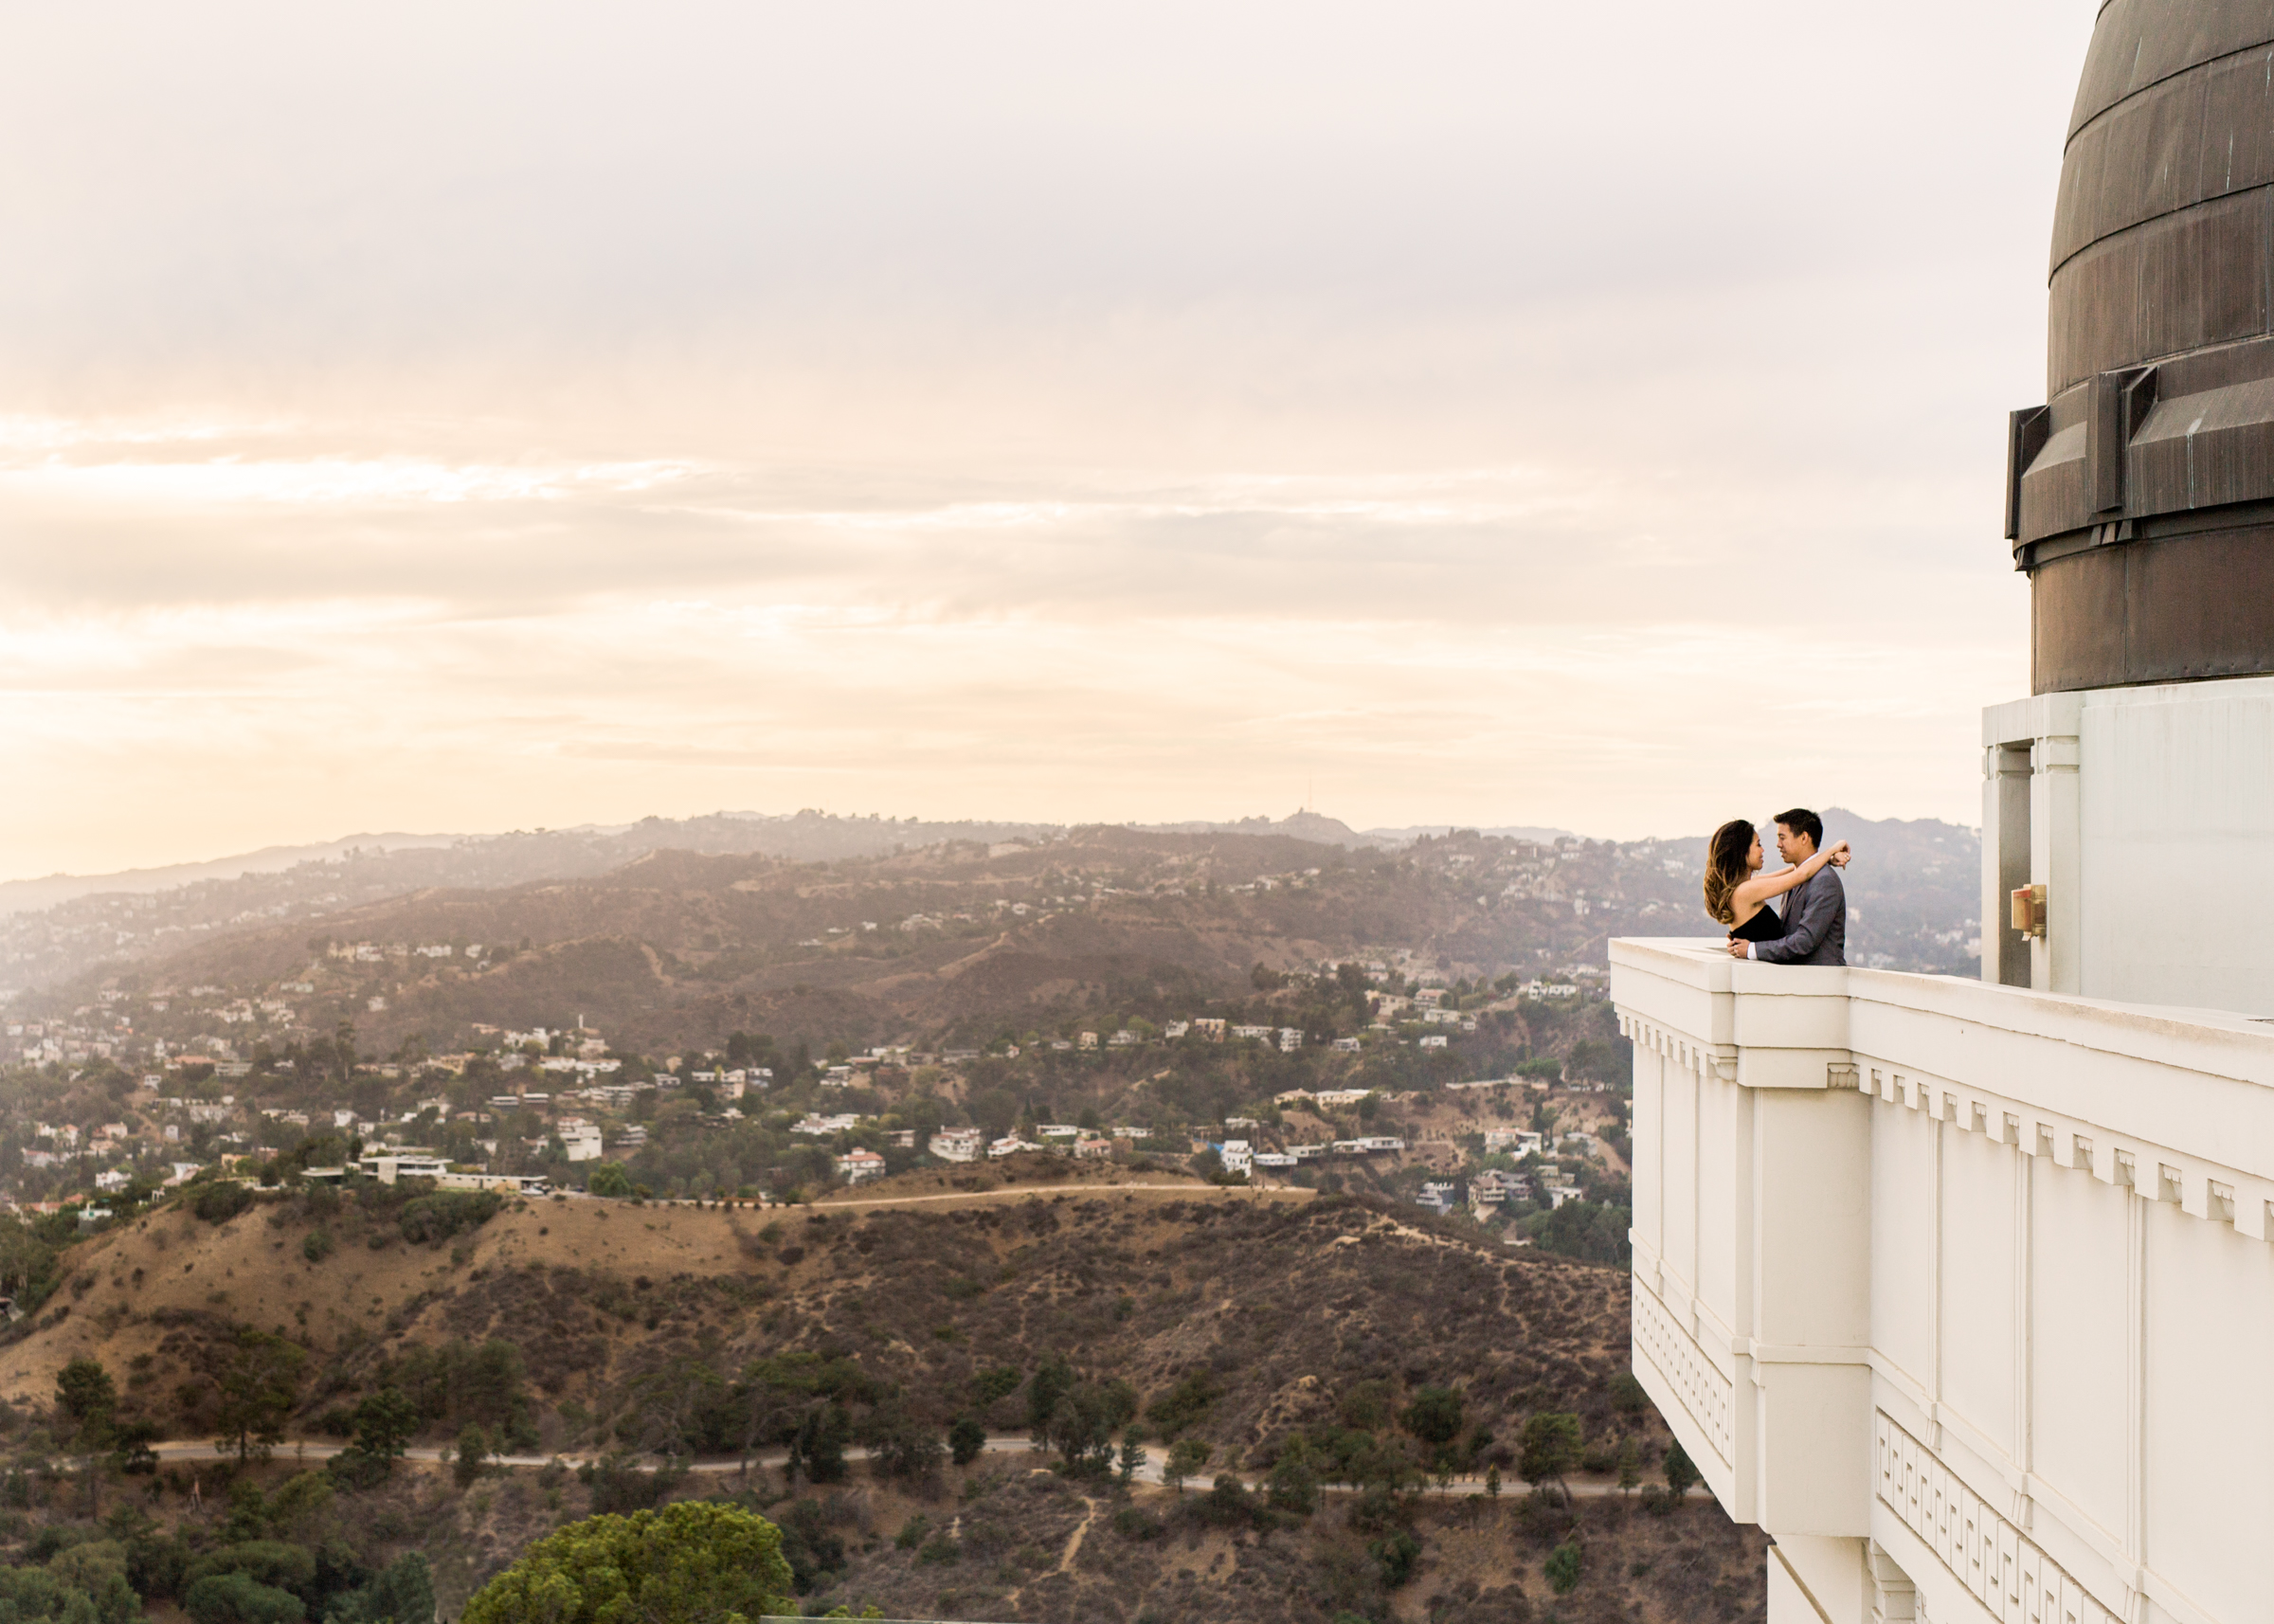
<point x="1838" y="856"/>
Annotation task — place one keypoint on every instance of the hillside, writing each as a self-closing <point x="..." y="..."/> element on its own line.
<point x="1914" y="885"/>
<point x="1246" y="1320"/>
<point x="1282" y="1299"/>
<point x="679" y="948"/>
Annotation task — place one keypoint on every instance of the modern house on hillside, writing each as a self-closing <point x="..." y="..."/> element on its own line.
<point x="1964" y="1291"/>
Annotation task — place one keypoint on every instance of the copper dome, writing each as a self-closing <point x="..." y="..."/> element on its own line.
<point x="2141" y="498"/>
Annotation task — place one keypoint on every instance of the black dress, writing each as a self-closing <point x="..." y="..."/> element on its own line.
<point x="1766" y="926"/>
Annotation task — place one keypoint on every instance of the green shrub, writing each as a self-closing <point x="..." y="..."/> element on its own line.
<point x="1136" y="1523"/>
<point x="1394" y="1555"/>
<point x="318" y="1246"/>
<point x="1563" y="1567"/>
<point x="1182" y="1405"/>
<point x="221" y="1201"/>
<point x="429" y="1221"/>
<point x="966" y="1441"/>
<point x="238" y="1598"/>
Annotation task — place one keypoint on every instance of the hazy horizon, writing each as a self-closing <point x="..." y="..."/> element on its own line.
<point x="348" y="840"/>
<point x="555" y="415"/>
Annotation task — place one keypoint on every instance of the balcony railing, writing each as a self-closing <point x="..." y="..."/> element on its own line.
<point x="1968" y="1282"/>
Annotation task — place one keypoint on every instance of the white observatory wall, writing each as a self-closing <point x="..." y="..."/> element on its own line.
<point x="2176" y="859"/>
<point x="2151" y="823"/>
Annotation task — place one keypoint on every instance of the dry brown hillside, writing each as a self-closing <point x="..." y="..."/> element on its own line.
<point x="1273" y="1314"/>
<point x="679" y="946"/>
<point x="1282" y="1303"/>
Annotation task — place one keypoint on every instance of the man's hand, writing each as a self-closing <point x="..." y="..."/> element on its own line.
<point x="1739" y="950"/>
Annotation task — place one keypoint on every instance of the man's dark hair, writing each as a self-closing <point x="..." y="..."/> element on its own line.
<point x="1800" y="820"/>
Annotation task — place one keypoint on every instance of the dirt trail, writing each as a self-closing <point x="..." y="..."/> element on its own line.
<point x="1027" y="1192"/>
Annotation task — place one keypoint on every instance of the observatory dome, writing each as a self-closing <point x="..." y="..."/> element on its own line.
<point x="2140" y="496"/>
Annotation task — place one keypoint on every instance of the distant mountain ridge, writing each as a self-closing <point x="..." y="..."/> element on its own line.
<point x="1916" y="883"/>
<point x="803" y="837"/>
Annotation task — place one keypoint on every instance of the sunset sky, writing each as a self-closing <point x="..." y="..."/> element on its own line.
<point x="468" y="418"/>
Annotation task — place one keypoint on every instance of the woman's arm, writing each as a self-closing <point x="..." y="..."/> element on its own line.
<point x="1763" y="886"/>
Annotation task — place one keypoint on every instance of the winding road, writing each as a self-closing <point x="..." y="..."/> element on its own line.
<point x="305" y="1450"/>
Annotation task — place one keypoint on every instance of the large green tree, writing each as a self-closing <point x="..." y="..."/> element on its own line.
<point x="385" y="1424"/>
<point x="694" y="1562"/>
<point x="1552" y="1441"/>
<point x="256" y="1376"/>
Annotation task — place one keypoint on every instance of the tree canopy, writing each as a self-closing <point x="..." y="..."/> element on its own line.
<point x="693" y="1563"/>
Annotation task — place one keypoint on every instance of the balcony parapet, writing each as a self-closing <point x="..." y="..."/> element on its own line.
<point x="2179" y="1102"/>
<point x="1969" y="1274"/>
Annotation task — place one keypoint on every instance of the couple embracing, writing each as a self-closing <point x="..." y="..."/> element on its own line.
<point x="1812" y="927"/>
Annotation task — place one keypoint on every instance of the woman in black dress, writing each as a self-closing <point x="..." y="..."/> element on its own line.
<point x="1737" y="892"/>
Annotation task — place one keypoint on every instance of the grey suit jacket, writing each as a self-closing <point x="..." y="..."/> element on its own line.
<point x="1815" y="924"/>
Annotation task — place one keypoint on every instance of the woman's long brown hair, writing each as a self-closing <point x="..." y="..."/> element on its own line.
<point x="1726" y="868"/>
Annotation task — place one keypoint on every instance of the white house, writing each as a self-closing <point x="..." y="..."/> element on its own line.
<point x="859" y="1166"/>
<point x="1239" y="1155"/>
<point x="957" y="1144"/>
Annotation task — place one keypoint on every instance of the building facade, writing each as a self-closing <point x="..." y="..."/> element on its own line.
<point x="1962" y="1290"/>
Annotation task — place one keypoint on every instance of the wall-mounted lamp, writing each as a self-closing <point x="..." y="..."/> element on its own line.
<point x="2028" y="910"/>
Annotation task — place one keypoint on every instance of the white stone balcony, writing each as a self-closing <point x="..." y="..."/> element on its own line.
<point x="1964" y="1292"/>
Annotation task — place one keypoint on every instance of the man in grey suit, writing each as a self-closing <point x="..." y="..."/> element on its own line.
<point x="1815" y="910"/>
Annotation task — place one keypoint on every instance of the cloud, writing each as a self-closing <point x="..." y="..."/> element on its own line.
<point x="450" y="419"/>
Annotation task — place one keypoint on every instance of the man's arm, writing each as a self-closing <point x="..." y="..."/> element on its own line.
<point x="1819" y="904"/>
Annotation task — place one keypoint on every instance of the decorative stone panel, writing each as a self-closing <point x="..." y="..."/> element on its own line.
<point x="1705" y="1393"/>
<point x="1983" y="1550"/>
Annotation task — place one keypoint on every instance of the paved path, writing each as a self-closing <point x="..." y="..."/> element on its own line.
<point x="1004" y="1443"/>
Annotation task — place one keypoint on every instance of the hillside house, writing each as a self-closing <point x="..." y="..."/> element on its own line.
<point x="1094" y="1149"/>
<point x="1493" y="1188"/>
<point x="957" y="1144"/>
<point x="1438" y="1195"/>
<point x="1436" y="1042"/>
<point x="1210" y="1028"/>
<point x="1238" y="1155"/>
<point x="1274" y="1161"/>
<point x="1291" y="1039"/>
<point x="859" y="1166"/>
